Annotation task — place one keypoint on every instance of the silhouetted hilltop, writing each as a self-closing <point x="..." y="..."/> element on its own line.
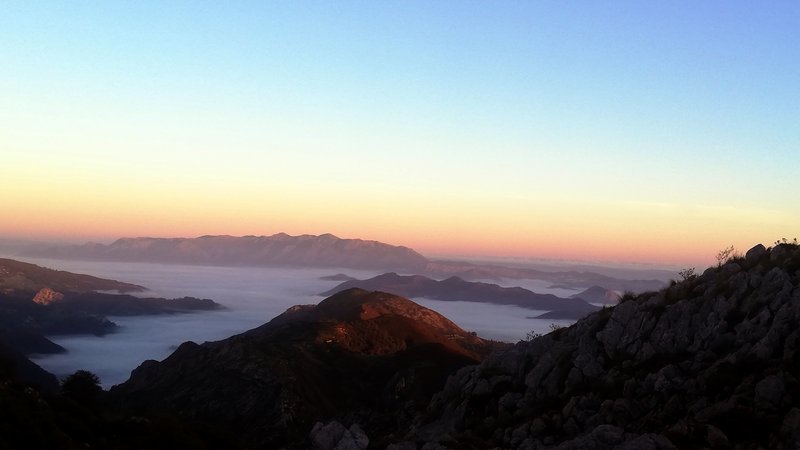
<point x="710" y="362"/>
<point x="280" y="249"/>
<point x="455" y="289"/>
<point x="368" y="357"/>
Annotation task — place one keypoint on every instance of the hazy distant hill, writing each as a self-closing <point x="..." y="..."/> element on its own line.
<point x="560" y="278"/>
<point x="280" y="249"/>
<point x="598" y="294"/>
<point x="457" y="289"/>
<point x="18" y="275"/>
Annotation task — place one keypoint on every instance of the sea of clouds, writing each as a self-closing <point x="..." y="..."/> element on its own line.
<point x="252" y="296"/>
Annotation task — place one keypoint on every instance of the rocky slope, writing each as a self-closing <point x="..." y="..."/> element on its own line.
<point x="280" y="249"/>
<point x="364" y="357"/>
<point x="711" y="362"/>
<point x="457" y="289"/>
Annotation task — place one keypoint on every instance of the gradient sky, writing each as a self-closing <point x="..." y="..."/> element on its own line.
<point x="621" y="131"/>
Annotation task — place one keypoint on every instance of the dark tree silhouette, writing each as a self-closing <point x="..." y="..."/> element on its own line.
<point x="82" y="386"/>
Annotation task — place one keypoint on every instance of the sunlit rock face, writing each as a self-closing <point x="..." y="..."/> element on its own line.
<point x="46" y="296"/>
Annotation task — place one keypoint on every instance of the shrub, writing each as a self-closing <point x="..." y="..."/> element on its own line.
<point x="82" y="386"/>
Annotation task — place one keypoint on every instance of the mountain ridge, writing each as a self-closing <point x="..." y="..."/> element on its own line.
<point x="326" y="250"/>
<point x="457" y="289"/>
<point x="279" y="249"/>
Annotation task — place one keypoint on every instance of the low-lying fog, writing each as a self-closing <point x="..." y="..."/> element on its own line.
<point x="253" y="296"/>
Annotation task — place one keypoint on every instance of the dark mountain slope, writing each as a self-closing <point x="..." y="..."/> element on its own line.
<point x="14" y="365"/>
<point x="455" y="288"/>
<point x="368" y="357"/>
<point x="710" y="362"/>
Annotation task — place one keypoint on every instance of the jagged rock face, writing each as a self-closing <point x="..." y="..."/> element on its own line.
<point x="713" y="361"/>
<point x="361" y="357"/>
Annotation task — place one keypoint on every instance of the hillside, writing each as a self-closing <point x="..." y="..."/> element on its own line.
<point x="36" y="302"/>
<point x="368" y="357"/>
<point x="280" y="249"/>
<point x="457" y="289"/>
<point x="710" y="362"/>
<point x="22" y="276"/>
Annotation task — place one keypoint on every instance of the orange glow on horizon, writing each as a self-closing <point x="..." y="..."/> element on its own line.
<point x="82" y="208"/>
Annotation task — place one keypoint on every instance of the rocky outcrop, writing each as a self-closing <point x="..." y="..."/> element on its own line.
<point x="358" y="357"/>
<point x="457" y="289"/>
<point x="710" y="362"/>
<point x="46" y="296"/>
<point x="280" y="249"/>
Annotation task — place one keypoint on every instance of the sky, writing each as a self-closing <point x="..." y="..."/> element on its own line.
<point x="623" y="131"/>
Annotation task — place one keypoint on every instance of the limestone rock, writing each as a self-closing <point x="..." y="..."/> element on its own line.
<point x="46" y="296"/>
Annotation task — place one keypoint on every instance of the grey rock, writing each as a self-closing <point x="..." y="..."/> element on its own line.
<point x="334" y="436"/>
<point x="716" y="438"/>
<point x="434" y="446"/>
<point x="326" y="436"/>
<point x="755" y="253"/>
<point x="769" y="392"/>
<point x="406" y="445"/>
<point x="648" y="441"/>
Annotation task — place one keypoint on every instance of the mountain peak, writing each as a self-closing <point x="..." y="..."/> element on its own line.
<point x="355" y="351"/>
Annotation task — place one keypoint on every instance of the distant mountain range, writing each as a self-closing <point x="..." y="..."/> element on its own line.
<point x="327" y="250"/>
<point x="280" y="249"/>
<point x="457" y="289"/>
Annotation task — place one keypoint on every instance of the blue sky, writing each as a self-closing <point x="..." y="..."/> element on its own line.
<point x="682" y="105"/>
